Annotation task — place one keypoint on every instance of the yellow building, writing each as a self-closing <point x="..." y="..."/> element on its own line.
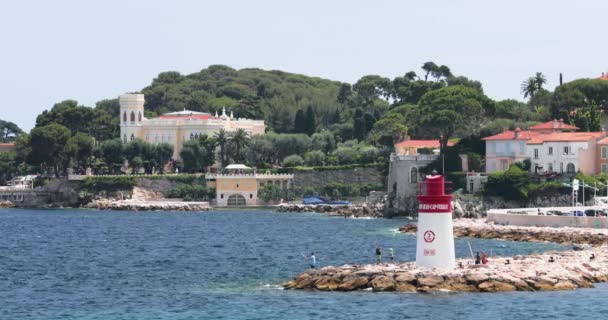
<point x="238" y="185"/>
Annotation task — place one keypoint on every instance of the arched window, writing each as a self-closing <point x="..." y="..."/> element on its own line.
<point x="139" y="117"/>
<point x="191" y="135"/>
<point x="414" y="175"/>
<point x="132" y="116"/>
<point x="251" y="196"/>
<point x="132" y="137"/>
<point x="570" y="168"/>
<point x="124" y="117"/>
<point x="124" y="139"/>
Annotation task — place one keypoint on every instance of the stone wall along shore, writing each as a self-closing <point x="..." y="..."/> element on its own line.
<point x="571" y="270"/>
<point x="478" y="228"/>
<point x="128" y="205"/>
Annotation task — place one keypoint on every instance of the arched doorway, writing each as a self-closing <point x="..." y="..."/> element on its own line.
<point x="236" y="200"/>
<point x="570" y="168"/>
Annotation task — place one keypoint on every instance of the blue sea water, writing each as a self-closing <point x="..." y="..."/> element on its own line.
<point x="86" y="264"/>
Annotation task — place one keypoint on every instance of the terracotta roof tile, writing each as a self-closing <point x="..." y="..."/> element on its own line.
<point x="510" y="135"/>
<point x="553" y="124"/>
<point x="421" y="144"/>
<point x="565" y="137"/>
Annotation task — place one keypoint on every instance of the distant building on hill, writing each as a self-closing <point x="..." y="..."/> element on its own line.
<point x="175" y="128"/>
<point x="413" y="147"/>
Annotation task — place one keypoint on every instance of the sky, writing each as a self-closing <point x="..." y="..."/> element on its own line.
<point x="93" y="50"/>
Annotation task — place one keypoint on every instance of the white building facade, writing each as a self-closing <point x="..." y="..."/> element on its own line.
<point x="564" y="153"/>
<point x="177" y="127"/>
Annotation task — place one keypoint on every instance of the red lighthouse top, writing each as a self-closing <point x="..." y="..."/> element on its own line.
<point x="432" y="197"/>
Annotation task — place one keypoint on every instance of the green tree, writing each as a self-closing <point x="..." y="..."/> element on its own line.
<point x="112" y="152"/>
<point x="48" y="145"/>
<point x="429" y="68"/>
<point x="344" y="93"/>
<point x="68" y="114"/>
<point x="221" y="137"/>
<point x="451" y="110"/>
<point x="389" y="129"/>
<point x="80" y="148"/>
<point x="324" y="141"/>
<point x="529" y="87"/>
<point x="540" y="80"/>
<point x="293" y="160"/>
<point x="314" y="158"/>
<point x="9" y="131"/>
<point x="239" y="139"/>
<point x="192" y="155"/>
<point x="311" y="122"/>
<point x="300" y="122"/>
<point x="8" y="166"/>
<point x="163" y="153"/>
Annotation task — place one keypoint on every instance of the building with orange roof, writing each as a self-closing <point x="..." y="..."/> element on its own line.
<point x="410" y="147"/>
<point x="506" y="148"/>
<point x="7" y="146"/>
<point x="564" y="152"/>
<point x="175" y="128"/>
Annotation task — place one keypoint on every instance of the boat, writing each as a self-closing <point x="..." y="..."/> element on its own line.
<point x="317" y="200"/>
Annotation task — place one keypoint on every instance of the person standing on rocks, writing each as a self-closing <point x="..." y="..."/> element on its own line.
<point x="391" y="254"/>
<point x="378" y="254"/>
<point x="313" y="260"/>
<point x="477" y="258"/>
<point x="484" y="258"/>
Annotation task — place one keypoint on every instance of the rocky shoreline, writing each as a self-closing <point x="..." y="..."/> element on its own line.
<point x="347" y="211"/>
<point x="129" y="205"/>
<point x="568" y="270"/>
<point x="478" y="228"/>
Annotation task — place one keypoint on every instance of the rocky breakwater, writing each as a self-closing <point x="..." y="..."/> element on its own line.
<point x="6" y="204"/>
<point x="479" y="228"/>
<point x="347" y="211"/>
<point x="570" y="270"/>
<point x="129" y="205"/>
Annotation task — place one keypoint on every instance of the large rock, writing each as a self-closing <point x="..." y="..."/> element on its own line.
<point x="354" y="283"/>
<point x="476" y="278"/>
<point x="383" y="283"/>
<point x="326" y="283"/>
<point x="405" y="287"/>
<point x="405" y="277"/>
<point x="429" y="281"/>
<point x="495" y="286"/>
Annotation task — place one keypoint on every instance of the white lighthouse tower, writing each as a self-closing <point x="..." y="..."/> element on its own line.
<point x="435" y="235"/>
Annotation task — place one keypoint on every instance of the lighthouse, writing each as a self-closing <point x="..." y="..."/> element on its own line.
<point x="435" y="235"/>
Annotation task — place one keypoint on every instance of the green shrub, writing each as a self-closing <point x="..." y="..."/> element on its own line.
<point x="108" y="184"/>
<point x="193" y="192"/>
<point x="293" y="160"/>
<point x="513" y="184"/>
<point x="314" y="158"/>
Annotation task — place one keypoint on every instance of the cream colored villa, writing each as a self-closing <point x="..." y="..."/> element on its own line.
<point x="238" y="185"/>
<point x="177" y="127"/>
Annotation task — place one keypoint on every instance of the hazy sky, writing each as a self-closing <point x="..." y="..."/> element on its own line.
<point x="56" y="50"/>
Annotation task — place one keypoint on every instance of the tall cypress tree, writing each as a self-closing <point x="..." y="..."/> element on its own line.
<point x="300" y="122"/>
<point x="311" y="124"/>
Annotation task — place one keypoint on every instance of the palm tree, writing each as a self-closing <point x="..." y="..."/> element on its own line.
<point x="540" y="80"/>
<point x="529" y="87"/>
<point x="240" y="138"/>
<point x="222" y="138"/>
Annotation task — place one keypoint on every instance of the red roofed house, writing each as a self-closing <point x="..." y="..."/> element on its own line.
<point x="410" y="147"/>
<point x="177" y="127"/>
<point x="7" y="146"/>
<point x="506" y="148"/>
